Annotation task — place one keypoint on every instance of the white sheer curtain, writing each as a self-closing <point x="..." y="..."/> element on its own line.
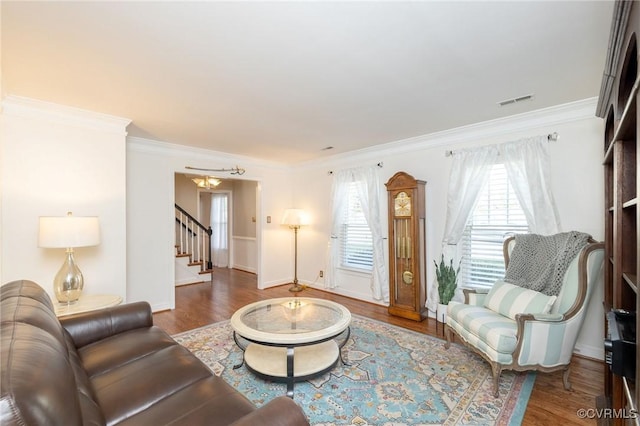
<point x="368" y="188"/>
<point x="527" y="165"/>
<point x="469" y="173"/>
<point x="219" y="226"/>
<point x="339" y="194"/>
<point x="369" y="192"/>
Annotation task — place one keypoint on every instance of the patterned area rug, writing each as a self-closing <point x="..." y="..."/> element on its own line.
<point x="396" y="377"/>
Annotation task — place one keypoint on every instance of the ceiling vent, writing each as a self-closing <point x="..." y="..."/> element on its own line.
<point x="516" y="100"/>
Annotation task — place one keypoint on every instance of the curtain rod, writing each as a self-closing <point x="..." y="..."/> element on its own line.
<point x="551" y="137"/>
<point x="234" y="170"/>
<point x="380" y="164"/>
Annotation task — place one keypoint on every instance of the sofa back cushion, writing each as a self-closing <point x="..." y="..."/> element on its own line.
<point x="38" y="378"/>
<point x="509" y="300"/>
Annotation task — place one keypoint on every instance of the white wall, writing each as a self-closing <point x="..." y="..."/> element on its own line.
<point x="150" y="188"/>
<point x="244" y="253"/>
<point x="577" y="183"/>
<point x="57" y="159"/>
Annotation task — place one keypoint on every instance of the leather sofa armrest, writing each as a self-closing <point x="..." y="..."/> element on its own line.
<point x="281" y="411"/>
<point x="89" y="327"/>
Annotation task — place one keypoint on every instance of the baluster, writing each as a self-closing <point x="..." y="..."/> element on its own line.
<point x="183" y="241"/>
<point x="204" y="251"/>
<point x="198" y="236"/>
<point x="190" y="241"/>
<point x="181" y="224"/>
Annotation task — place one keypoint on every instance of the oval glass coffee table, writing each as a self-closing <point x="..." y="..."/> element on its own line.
<point x="291" y="339"/>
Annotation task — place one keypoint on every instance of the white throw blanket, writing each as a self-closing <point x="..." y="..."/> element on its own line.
<point x="539" y="262"/>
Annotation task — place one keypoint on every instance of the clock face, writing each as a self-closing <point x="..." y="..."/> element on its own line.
<point x="402" y="204"/>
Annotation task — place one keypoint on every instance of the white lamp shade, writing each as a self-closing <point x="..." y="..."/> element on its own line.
<point x="68" y="231"/>
<point x="295" y="217"/>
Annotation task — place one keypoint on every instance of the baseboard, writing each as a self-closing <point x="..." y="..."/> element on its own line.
<point x="340" y="291"/>
<point x="187" y="281"/>
<point x="161" y="307"/>
<point x="245" y="268"/>
<point x="588" y="351"/>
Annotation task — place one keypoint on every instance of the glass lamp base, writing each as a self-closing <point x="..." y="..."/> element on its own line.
<point x="68" y="282"/>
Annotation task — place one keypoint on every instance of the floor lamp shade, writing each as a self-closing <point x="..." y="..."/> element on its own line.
<point x="294" y="219"/>
<point x="68" y="232"/>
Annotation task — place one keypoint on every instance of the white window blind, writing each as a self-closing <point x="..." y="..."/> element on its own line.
<point x="357" y="244"/>
<point x="497" y="215"/>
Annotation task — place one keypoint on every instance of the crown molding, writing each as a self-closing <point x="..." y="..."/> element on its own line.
<point x="200" y="155"/>
<point x="19" y="106"/>
<point x="545" y="117"/>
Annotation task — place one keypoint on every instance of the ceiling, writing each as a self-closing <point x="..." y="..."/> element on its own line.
<point x="282" y="81"/>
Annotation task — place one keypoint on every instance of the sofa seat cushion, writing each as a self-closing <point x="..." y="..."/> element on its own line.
<point x="210" y="401"/>
<point x="477" y="323"/>
<point x="163" y="381"/>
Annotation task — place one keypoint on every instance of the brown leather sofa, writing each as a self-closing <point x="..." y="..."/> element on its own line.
<point x="109" y="367"/>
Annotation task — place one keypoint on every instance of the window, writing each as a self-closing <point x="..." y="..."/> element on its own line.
<point x="220" y="229"/>
<point x="357" y="244"/>
<point x="496" y="215"/>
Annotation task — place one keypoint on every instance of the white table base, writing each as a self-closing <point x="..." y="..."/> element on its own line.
<point x="309" y="360"/>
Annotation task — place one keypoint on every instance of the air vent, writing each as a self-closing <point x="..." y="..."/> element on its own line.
<point x="516" y="100"/>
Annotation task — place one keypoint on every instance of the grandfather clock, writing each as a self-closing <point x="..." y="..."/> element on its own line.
<point x="407" y="269"/>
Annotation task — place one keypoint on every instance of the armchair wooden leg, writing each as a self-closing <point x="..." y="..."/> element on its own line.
<point x="496" y="369"/>
<point x="565" y="378"/>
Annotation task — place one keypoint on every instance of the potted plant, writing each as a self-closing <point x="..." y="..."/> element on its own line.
<point x="447" y="277"/>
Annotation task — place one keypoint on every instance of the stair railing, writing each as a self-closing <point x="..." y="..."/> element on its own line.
<point x="194" y="238"/>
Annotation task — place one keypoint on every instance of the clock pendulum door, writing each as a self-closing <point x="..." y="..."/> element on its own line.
<point x="404" y="291"/>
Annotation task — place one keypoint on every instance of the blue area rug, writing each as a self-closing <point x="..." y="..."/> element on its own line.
<point x="395" y="377"/>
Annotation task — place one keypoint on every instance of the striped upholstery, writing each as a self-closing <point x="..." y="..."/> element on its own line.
<point x="477" y="297"/>
<point x="477" y="322"/>
<point x="508" y="299"/>
<point x="543" y="345"/>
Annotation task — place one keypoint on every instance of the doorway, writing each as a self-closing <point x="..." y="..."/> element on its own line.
<point x="242" y="204"/>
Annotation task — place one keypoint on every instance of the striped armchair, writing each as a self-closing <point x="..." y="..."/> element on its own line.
<point x="542" y="339"/>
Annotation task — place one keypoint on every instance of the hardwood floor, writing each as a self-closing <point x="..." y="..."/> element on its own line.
<point x="201" y="304"/>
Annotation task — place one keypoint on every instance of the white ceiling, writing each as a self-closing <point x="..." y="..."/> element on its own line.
<point x="282" y="80"/>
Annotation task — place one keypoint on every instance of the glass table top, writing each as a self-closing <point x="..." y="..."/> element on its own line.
<point x="287" y="320"/>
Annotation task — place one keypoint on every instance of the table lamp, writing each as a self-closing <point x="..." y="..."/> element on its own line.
<point x="68" y="232"/>
<point x="294" y="219"/>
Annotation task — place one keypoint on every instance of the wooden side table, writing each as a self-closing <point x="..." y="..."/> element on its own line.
<point x="87" y="302"/>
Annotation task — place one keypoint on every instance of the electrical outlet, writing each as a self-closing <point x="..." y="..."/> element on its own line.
<point x="321" y="274"/>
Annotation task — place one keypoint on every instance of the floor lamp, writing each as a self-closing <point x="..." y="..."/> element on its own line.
<point x="294" y="219"/>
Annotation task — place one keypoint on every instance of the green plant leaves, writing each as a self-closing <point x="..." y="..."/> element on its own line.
<point x="447" y="277"/>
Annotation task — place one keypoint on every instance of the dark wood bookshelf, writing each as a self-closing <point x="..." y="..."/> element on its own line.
<point x="618" y="106"/>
